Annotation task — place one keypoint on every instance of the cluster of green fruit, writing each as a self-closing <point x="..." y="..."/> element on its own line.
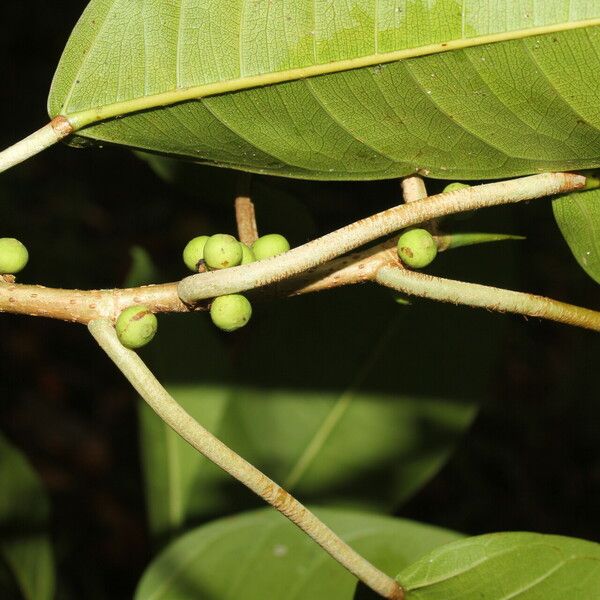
<point x="222" y="251"/>
<point x="137" y="325"/>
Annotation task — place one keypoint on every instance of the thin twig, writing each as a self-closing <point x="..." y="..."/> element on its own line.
<point x="165" y="406"/>
<point x="297" y="260"/>
<point x="245" y="214"/>
<point x="413" y="189"/>
<point x="497" y="299"/>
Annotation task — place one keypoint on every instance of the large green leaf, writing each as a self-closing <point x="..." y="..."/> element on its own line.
<point x="500" y="566"/>
<point x="262" y="556"/>
<point x="24" y="512"/>
<point x="341" y="89"/>
<point x="578" y="216"/>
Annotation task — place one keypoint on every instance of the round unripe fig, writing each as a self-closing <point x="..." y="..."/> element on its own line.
<point x="136" y="326"/>
<point x="230" y="312"/>
<point x="417" y="248"/>
<point x="13" y="256"/>
<point x="247" y="255"/>
<point x="269" y="245"/>
<point x="222" y="251"/>
<point x="457" y="185"/>
<point x="193" y="253"/>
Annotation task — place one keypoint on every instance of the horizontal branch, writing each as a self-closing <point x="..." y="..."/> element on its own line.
<point x="491" y="298"/>
<point x="305" y="277"/>
<point x="166" y="407"/>
<point x="83" y="306"/>
<point x="337" y="243"/>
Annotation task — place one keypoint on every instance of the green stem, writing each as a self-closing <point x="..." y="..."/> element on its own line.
<point x="471" y="294"/>
<point x="165" y="406"/>
<point x="264" y="272"/>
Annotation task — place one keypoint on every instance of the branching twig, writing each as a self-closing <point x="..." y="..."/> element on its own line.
<point x="497" y="299"/>
<point x="165" y="406"/>
<point x="413" y="189"/>
<point x="297" y="260"/>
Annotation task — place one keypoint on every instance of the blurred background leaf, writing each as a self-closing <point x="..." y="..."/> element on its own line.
<point x="25" y="543"/>
<point x="260" y="555"/>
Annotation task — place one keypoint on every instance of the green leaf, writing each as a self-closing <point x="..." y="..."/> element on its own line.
<point x="261" y="555"/>
<point x="578" y="216"/>
<point x="528" y="566"/>
<point x="338" y="89"/>
<point x="24" y="513"/>
<point x="340" y="413"/>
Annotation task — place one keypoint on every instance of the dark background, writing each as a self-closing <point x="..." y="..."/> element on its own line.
<point x="530" y="462"/>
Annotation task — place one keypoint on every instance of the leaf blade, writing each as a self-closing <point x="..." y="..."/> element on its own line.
<point x="279" y="560"/>
<point x="301" y="128"/>
<point x="502" y="566"/>
<point x="578" y="217"/>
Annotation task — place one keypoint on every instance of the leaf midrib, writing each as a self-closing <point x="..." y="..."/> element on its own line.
<point x="90" y="116"/>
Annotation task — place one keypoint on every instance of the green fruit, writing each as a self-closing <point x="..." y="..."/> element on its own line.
<point x="457" y="185"/>
<point x="222" y="251"/>
<point x="230" y="312"/>
<point x="247" y="255"/>
<point x="13" y="256"/>
<point x="136" y="326"/>
<point x="417" y="248"/>
<point x="193" y="253"/>
<point x="270" y="245"/>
